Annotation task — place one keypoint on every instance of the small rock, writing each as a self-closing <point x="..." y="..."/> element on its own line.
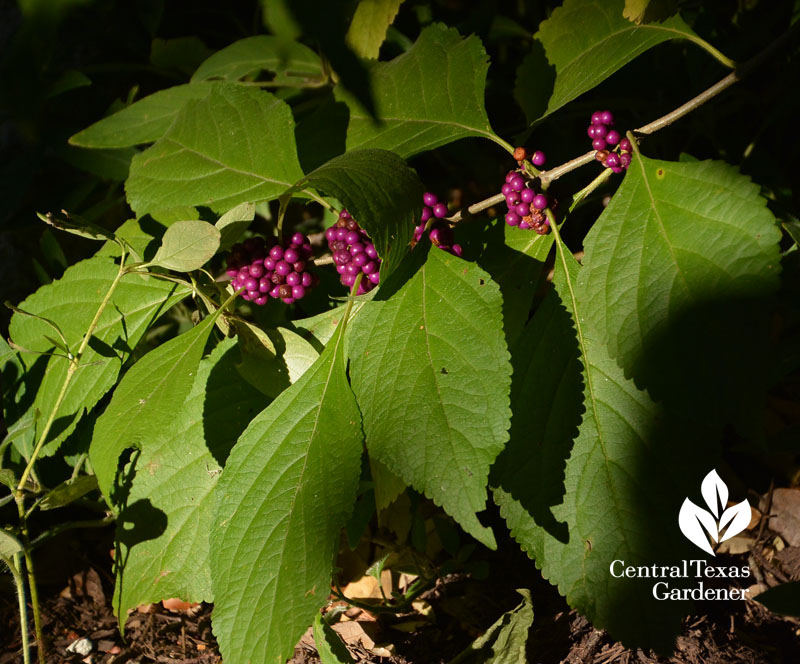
<point x="81" y="647"/>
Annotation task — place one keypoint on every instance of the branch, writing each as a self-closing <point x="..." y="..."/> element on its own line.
<point x="546" y="177"/>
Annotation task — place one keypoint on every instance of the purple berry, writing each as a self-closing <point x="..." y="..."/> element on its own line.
<point x="276" y="253"/>
<point x="599" y="144"/>
<point x="371" y="251"/>
<point x="299" y="239"/>
<point x="341" y="233"/>
<point x="625" y="145"/>
<point x="291" y="255"/>
<point x="342" y="257"/>
<point x="299" y="266"/>
<point x="510" y="176"/>
<point x="293" y="279"/>
<point x="540" y="202"/>
<point x="429" y="199"/>
<point x="356" y="248"/>
<point x="617" y="169"/>
<point x="612" y="137"/>
<point x="590" y="131"/>
<point x="513" y="219"/>
<point x="440" y="210"/>
<point x="524" y="225"/>
<point x="506" y="189"/>
<point x="298" y="291"/>
<point x="374" y="277"/>
<point x="612" y="160"/>
<point x="330" y="234"/>
<point x="362" y="258"/>
<point x="306" y="279"/>
<point x="283" y="268"/>
<point x="352" y="268"/>
<point x="527" y="195"/>
<point x="457" y="250"/>
<point x="537" y="159"/>
<point x="597" y="117"/>
<point x="625" y="159"/>
<point x="427" y="213"/>
<point x="513" y="199"/>
<point x="600" y="131"/>
<point x="370" y="267"/>
<point x="250" y="284"/>
<point x="522" y="209"/>
<point x="517" y="183"/>
<point x="352" y="237"/>
<point x="264" y="285"/>
<point x="607" y="118"/>
<point x="348" y="279"/>
<point x="261" y="300"/>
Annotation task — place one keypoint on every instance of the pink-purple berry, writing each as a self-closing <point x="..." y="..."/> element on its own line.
<point x="265" y="272"/>
<point x="353" y="251"/>
<point x="538" y="158"/>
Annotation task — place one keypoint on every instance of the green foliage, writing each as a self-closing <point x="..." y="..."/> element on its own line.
<point x="167" y="515"/>
<point x="329" y="646"/>
<point x="505" y="642"/>
<point x="684" y="254"/>
<point x="607" y="506"/>
<point x="290" y="62"/>
<point x="588" y="40"/>
<point x="368" y="28"/>
<point x="144" y="404"/>
<point x="72" y="302"/>
<point x="234" y="146"/>
<point x="425" y="98"/>
<point x="145" y="121"/>
<point x="380" y="191"/>
<point x="431" y="373"/>
<point x="187" y="246"/>
<point x="286" y="491"/>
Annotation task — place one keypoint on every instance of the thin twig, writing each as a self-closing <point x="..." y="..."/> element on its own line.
<point x="546" y="177"/>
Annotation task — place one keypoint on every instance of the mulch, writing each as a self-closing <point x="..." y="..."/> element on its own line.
<point x="728" y="633"/>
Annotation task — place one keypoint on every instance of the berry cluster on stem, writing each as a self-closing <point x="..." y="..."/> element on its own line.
<point x="353" y="253"/>
<point x="440" y="233"/>
<point x="611" y="149"/>
<point x="526" y="206"/>
<point x="271" y="270"/>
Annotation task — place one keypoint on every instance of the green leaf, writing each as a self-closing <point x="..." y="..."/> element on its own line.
<point x="145" y="402"/>
<point x="292" y="63"/>
<point x="142" y="236"/>
<point x="330" y="647"/>
<point x="187" y="246"/>
<point x="575" y="508"/>
<point x="274" y="359"/>
<point x="233" y="223"/>
<point x="9" y="545"/>
<point x="108" y="164"/>
<point x="286" y="492"/>
<point x="516" y="262"/>
<point x="235" y="146"/>
<point x="68" y="492"/>
<point x="145" y="121"/>
<point x="319" y="329"/>
<point x="678" y="269"/>
<point x="174" y="480"/>
<point x="76" y="226"/>
<point x="506" y="640"/>
<point x="368" y="28"/>
<point x="645" y="11"/>
<point x="381" y="192"/>
<point x="431" y="372"/>
<point x="588" y="40"/>
<point x="72" y="303"/>
<point x="427" y="97"/>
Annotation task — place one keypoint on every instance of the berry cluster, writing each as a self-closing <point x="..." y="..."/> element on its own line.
<point x="525" y="206"/>
<point x="353" y="253"/>
<point x="604" y="140"/>
<point x="441" y="233"/>
<point x="271" y="271"/>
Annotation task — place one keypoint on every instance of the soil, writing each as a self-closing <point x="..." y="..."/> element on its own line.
<point x="728" y="633"/>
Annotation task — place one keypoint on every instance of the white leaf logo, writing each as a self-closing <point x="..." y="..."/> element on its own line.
<point x="700" y="525"/>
